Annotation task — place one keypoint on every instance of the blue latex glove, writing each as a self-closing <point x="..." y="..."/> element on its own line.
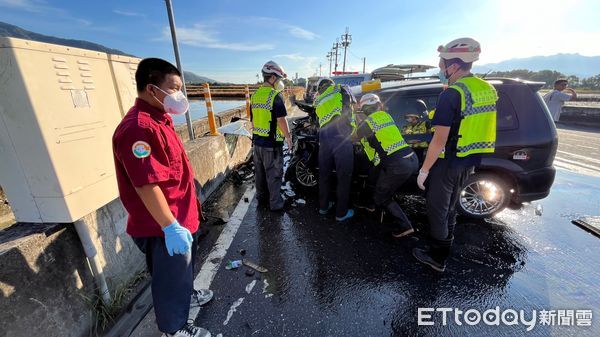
<point x="178" y="239"/>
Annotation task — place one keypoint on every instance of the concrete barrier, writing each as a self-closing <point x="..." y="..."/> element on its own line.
<point x="44" y="276"/>
<point x="581" y="115"/>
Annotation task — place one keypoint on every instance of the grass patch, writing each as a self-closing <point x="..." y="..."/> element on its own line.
<point x="104" y="315"/>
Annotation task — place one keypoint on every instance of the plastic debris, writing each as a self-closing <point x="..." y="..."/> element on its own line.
<point x="249" y="272"/>
<point x="254" y="266"/>
<point x="290" y="193"/>
<point x="235" y="264"/>
<point x="539" y="210"/>
<point x="236" y="128"/>
<point x="300" y="201"/>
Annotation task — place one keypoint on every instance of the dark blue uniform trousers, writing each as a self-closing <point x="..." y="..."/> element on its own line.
<point x="335" y="152"/>
<point x="172" y="281"/>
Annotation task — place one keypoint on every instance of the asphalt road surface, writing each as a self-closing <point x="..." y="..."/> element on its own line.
<point x="354" y="279"/>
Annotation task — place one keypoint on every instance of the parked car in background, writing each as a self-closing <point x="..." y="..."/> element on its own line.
<point x="393" y="72"/>
<point x="351" y="79"/>
<point x="311" y="89"/>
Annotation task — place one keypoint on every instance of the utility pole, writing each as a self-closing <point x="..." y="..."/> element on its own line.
<point x="336" y="46"/>
<point x="188" y="118"/>
<point x="330" y="58"/>
<point x="320" y="69"/>
<point x="346" y="40"/>
<point x="364" y="64"/>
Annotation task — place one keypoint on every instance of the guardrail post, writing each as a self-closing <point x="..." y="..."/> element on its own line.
<point x="248" y="112"/>
<point x="209" y="109"/>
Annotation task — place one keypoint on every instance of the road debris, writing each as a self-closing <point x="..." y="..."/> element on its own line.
<point x="235" y="264"/>
<point x="254" y="266"/>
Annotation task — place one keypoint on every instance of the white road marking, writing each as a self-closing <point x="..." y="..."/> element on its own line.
<point x="233" y="309"/>
<point x="580" y="164"/>
<point x="214" y="259"/>
<point x="250" y="286"/>
<point x="586" y="158"/>
<point x="576" y="168"/>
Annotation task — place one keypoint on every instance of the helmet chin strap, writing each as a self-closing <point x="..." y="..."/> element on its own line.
<point x="269" y="80"/>
<point x="445" y="70"/>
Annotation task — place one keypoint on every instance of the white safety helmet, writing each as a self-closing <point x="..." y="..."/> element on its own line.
<point x="368" y="99"/>
<point x="465" y="48"/>
<point x="273" y="68"/>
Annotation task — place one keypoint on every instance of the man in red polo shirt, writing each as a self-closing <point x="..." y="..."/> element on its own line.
<point x="156" y="186"/>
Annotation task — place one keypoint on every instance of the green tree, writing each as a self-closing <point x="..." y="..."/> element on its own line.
<point x="591" y="82"/>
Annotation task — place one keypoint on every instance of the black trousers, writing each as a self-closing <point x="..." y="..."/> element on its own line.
<point x="444" y="184"/>
<point x="335" y="153"/>
<point x="172" y="281"/>
<point x="394" y="173"/>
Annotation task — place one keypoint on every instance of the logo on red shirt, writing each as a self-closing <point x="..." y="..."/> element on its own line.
<point x="141" y="149"/>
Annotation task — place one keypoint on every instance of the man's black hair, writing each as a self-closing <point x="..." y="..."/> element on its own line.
<point x="463" y="65"/>
<point x="561" y="81"/>
<point x="153" y="71"/>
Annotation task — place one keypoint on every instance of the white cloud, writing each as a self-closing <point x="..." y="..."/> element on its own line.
<point x="300" y="64"/>
<point x="27" y="5"/>
<point x="295" y="31"/>
<point x="301" y="33"/>
<point x="294" y="57"/>
<point x="124" y="13"/>
<point x="202" y="36"/>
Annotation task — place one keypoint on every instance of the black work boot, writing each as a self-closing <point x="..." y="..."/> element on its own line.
<point x="435" y="256"/>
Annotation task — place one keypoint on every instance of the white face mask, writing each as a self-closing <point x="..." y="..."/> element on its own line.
<point x="279" y="85"/>
<point x="175" y="103"/>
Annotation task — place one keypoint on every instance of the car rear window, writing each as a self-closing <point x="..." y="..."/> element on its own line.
<point x="506" y="118"/>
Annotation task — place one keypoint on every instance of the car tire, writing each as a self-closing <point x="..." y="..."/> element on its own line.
<point x="300" y="174"/>
<point x="483" y="196"/>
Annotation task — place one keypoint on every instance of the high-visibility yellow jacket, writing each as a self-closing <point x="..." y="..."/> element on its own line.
<point x="329" y="105"/>
<point x="387" y="134"/>
<point x="477" y="130"/>
<point x="418" y="129"/>
<point x="262" y="105"/>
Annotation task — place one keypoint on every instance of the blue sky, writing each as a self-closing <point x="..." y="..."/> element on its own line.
<point x="229" y="40"/>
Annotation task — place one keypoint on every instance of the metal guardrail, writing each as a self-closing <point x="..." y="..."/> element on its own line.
<point x="245" y="92"/>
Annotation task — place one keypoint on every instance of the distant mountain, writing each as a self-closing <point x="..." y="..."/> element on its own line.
<point x="193" y="78"/>
<point x="568" y="64"/>
<point x="7" y="30"/>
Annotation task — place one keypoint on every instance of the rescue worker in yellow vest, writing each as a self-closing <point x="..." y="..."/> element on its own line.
<point x="416" y="125"/>
<point x="465" y="130"/>
<point x="269" y="130"/>
<point x="385" y="147"/>
<point x="336" y="151"/>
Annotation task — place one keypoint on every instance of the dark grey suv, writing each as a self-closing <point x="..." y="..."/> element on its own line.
<point x="521" y="168"/>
